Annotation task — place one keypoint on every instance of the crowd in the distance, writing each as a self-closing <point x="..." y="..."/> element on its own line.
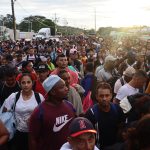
<point x="79" y="93"/>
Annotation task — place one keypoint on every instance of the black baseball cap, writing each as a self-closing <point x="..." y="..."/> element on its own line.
<point x="79" y="126"/>
<point x="42" y="67"/>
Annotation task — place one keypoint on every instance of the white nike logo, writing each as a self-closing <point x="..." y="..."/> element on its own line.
<point x="56" y="129"/>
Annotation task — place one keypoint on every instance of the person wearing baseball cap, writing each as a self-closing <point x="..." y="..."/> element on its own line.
<point x="81" y="135"/>
<point x="73" y="51"/>
<point x="126" y="77"/>
<point x="42" y="71"/>
<point x="73" y="60"/>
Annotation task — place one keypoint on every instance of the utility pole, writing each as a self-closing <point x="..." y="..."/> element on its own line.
<point x="14" y="19"/>
<point x="55" y="23"/>
<point x="28" y="26"/>
<point x="31" y="26"/>
<point x="95" y="20"/>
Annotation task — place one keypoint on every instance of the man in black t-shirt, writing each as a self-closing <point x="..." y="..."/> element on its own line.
<point x="105" y="116"/>
<point x="10" y="85"/>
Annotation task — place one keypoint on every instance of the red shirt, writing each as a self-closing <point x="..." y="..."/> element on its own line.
<point x="73" y="75"/>
<point x="51" y="131"/>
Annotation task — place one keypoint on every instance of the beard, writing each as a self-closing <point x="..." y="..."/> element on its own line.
<point x="104" y="104"/>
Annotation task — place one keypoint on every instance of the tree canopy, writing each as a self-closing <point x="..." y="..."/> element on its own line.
<point x="7" y="21"/>
<point x="35" y="23"/>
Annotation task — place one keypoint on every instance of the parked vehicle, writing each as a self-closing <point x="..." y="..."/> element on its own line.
<point x="44" y="33"/>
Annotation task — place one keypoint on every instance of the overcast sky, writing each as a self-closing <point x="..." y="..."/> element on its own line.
<point x="81" y="13"/>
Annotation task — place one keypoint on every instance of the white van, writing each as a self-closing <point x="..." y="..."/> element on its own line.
<point x="44" y="33"/>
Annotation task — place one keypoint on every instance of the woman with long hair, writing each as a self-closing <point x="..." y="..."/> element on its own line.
<point x="24" y="105"/>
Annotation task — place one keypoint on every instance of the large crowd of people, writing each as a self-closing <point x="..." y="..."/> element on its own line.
<point x="78" y="93"/>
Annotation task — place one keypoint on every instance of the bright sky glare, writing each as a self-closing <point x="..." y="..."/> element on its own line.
<point x="83" y="13"/>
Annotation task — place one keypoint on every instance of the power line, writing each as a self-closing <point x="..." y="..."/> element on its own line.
<point x="34" y="16"/>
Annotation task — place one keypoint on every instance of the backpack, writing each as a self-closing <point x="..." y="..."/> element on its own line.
<point x="96" y="113"/>
<point x="8" y="118"/>
<point x="37" y="97"/>
<point x="135" y="112"/>
<point x="36" y="57"/>
<point x="121" y="81"/>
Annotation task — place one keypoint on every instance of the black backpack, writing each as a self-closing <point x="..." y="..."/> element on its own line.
<point x="134" y="113"/>
<point x="121" y="80"/>
<point x="37" y="97"/>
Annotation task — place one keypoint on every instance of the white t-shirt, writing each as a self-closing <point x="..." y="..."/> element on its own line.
<point x="118" y="85"/>
<point x="126" y="90"/>
<point x="23" y="109"/>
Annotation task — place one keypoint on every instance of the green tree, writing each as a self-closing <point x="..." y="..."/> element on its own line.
<point x="8" y="21"/>
<point x="67" y="30"/>
<point x="35" y="23"/>
<point x="105" y="31"/>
